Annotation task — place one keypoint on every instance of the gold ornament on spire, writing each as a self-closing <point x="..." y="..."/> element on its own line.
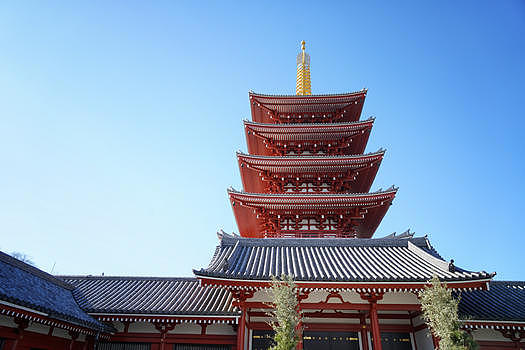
<point x="304" y="85"/>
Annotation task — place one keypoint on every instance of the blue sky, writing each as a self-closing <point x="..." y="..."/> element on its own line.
<point x="119" y="122"/>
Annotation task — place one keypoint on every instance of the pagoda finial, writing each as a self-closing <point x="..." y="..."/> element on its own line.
<point x="303" y="86"/>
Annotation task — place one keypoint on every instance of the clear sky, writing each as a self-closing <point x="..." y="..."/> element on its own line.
<point x="119" y="122"/>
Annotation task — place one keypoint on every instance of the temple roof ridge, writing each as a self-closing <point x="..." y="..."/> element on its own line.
<point x="343" y="94"/>
<point x="391" y="189"/>
<point x="26" y="286"/>
<point x="123" y="278"/>
<point x="295" y="242"/>
<point x="310" y="125"/>
<point x="8" y="259"/>
<point x="404" y="235"/>
<point x="380" y="151"/>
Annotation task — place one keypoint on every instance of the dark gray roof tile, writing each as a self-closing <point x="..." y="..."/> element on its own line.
<point x="504" y="301"/>
<point x="149" y="295"/>
<point x="337" y="260"/>
<point x="25" y="285"/>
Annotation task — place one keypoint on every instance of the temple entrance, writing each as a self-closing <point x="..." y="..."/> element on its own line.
<point x="330" y="340"/>
<point x="262" y="340"/>
<point x="395" y="341"/>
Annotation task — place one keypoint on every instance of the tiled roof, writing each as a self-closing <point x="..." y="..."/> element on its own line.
<point x="303" y="132"/>
<point x="292" y="164"/>
<point x="305" y="97"/>
<point x="310" y="103"/>
<point x="312" y="201"/>
<point x="27" y="286"/>
<point x="365" y="210"/>
<point x="149" y="295"/>
<point x="334" y="260"/>
<point x="504" y="301"/>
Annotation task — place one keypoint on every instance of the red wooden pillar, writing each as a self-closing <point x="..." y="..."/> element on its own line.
<point x="301" y="295"/>
<point x="74" y="335"/>
<point x="22" y="325"/>
<point x="87" y="341"/>
<point x="240" y="297"/>
<point x="373" y="298"/>
<point x="164" y="328"/>
<point x="374" y="322"/>
<point x="364" y="333"/>
<point x="300" y="334"/>
<point x="241" y="329"/>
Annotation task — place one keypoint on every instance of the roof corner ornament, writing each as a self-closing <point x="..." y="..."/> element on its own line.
<point x="303" y="85"/>
<point x="451" y="267"/>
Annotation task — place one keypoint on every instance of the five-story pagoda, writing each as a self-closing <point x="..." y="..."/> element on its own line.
<point x="306" y="211"/>
<point x="305" y="174"/>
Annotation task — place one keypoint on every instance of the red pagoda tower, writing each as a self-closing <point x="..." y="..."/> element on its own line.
<point x="306" y="211"/>
<point x="305" y="174"/>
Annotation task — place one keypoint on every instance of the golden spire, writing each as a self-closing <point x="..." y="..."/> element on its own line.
<point x="303" y="86"/>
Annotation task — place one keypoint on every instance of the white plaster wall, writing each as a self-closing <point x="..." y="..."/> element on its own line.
<point x="61" y="333"/>
<point x="261" y="295"/>
<point x="391" y="321"/>
<point x="186" y="328"/>
<point x="220" y="328"/>
<point x="423" y="340"/>
<point x="264" y="295"/>
<point x="7" y="321"/>
<point x="38" y="328"/>
<point x="399" y="298"/>
<point x="316" y="296"/>
<point x="352" y="297"/>
<point x="488" y="334"/>
<point x="331" y="320"/>
<point x="119" y="326"/>
<point x="259" y="319"/>
<point x="142" y="327"/>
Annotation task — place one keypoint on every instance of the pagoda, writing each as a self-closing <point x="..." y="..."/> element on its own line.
<point x="306" y="174"/>
<point x="306" y="210"/>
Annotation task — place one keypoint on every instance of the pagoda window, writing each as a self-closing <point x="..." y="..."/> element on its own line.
<point x="324" y="187"/>
<point x="309" y="224"/>
<point x="287" y="224"/>
<point x="304" y="224"/>
<point x="289" y="187"/>
<point x="330" y="224"/>
<point x="307" y="187"/>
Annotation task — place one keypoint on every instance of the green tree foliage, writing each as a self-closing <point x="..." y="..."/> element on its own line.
<point x="440" y="311"/>
<point x="285" y="313"/>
